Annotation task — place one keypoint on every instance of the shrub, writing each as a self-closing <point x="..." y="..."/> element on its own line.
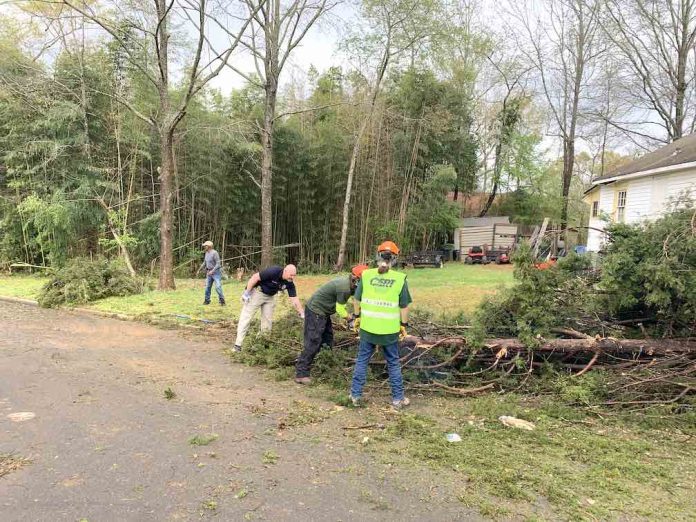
<point x="650" y="271"/>
<point x="84" y="280"/>
<point x="539" y="301"/>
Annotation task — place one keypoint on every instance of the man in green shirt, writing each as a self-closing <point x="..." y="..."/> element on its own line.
<point x="329" y="299"/>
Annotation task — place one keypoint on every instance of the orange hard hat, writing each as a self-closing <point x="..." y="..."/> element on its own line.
<point x="388" y="246"/>
<point x="357" y="270"/>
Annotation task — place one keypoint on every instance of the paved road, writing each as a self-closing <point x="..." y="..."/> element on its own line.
<point x="106" y="445"/>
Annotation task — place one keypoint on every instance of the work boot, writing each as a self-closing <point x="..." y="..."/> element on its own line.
<point x="206" y="302"/>
<point x="222" y="302"/>
<point x="397" y="405"/>
<point x="303" y="380"/>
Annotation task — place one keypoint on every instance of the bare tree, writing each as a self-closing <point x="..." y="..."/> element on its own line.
<point x="563" y="48"/>
<point x="395" y="27"/>
<point x="145" y="30"/>
<point x="657" y="41"/>
<point x="277" y="28"/>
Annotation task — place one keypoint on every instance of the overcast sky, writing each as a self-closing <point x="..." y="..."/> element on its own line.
<point x="319" y="49"/>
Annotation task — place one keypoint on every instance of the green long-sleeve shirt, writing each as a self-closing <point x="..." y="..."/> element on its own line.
<point x="331" y="297"/>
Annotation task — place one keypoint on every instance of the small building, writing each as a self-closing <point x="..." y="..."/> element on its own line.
<point x="641" y="190"/>
<point x="490" y="231"/>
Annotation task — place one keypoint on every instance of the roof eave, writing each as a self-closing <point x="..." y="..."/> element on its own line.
<point x="648" y="172"/>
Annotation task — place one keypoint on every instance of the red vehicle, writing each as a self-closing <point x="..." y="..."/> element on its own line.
<point x="502" y="258"/>
<point x="476" y="256"/>
<point x="480" y="255"/>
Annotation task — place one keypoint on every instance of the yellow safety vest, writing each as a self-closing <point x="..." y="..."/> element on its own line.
<point x="379" y="304"/>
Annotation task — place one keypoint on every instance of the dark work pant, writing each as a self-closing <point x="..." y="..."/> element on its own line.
<point x="317" y="332"/>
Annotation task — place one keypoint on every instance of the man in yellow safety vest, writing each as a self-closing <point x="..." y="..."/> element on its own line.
<point x="381" y="305"/>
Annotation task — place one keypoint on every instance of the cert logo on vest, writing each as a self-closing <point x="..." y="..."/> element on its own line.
<point x="382" y="282"/>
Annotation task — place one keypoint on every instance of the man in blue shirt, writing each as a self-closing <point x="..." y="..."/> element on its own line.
<point x="213" y="267"/>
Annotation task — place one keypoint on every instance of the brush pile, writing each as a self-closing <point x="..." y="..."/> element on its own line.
<point x="631" y="314"/>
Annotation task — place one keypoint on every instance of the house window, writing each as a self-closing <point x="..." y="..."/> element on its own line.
<point x="621" y="207"/>
<point x="595" y="208"/>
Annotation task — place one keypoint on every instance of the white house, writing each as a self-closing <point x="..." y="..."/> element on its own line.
<point x="643" y="189"/>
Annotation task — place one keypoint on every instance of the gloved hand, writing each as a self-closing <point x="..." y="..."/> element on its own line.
<point x="350" y="321"/>
<point x="402" y="331"/>
<point x="356" y="324"/>
<point x="246" y="296"/>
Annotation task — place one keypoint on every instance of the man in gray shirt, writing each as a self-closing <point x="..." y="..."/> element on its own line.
<point x="213" y="267"/>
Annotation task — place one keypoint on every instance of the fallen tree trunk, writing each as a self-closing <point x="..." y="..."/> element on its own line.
<point x="645" y="371"/>
<point x="593" y="344"/>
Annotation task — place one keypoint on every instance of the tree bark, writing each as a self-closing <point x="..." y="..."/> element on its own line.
<point x="489" y="201"/>
<point x="166" y="278"/>
<point x="267" y="176"/>
<point x="497" y="169"/>
<point x="165" y="128"/>
<point x="568" y="163"/>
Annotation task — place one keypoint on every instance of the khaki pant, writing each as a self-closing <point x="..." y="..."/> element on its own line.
<point x="258" y="300"/>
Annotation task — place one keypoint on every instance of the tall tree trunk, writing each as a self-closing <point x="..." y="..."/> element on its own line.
<point x="349" y="192"/>
<point x="568" y="163"/>
<point x="267" y="176"/>
<point x="497" y="169"/>
<point x="489" y="201"/>
<point x="165" y="129"/>
<point x="354" y="157"/>
<point x="684" y="50"/>
<point x="166" y="278"/>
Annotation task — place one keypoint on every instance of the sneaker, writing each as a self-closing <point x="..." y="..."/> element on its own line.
<point x="397" y="405"/>
<point x="206" y="302"/>
<point x="222" y="303"/>
<point x="357" y="401"/>
<point x="236" y="348"/>
<point x="303" y="380"/>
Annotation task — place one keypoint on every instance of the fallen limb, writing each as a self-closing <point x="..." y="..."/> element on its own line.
<point x="365" y="427"/>
<point x="455" y="391"/>
<point x="589" y="364"/>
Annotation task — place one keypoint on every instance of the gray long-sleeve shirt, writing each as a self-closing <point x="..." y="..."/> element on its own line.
<point x="212" y="261"/>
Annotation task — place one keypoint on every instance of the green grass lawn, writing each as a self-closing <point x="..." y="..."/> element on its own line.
<point x="26" y="287"/>
<point x="573" y="466"/>
<point x="453" y="289"/>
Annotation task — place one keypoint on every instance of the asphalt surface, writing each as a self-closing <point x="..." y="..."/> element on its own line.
<point x="105" y="444"/>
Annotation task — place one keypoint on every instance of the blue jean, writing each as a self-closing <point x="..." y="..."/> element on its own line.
<point x="391" y="355"/>
<point x="217" y="279"/>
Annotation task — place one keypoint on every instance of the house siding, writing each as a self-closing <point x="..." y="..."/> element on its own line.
<point x="676" y="185"/>
<point x="606" y="200"/>
<point x="595" y="237"/>
<point x="638" y="199"/>
<point x="646" y="198"/>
